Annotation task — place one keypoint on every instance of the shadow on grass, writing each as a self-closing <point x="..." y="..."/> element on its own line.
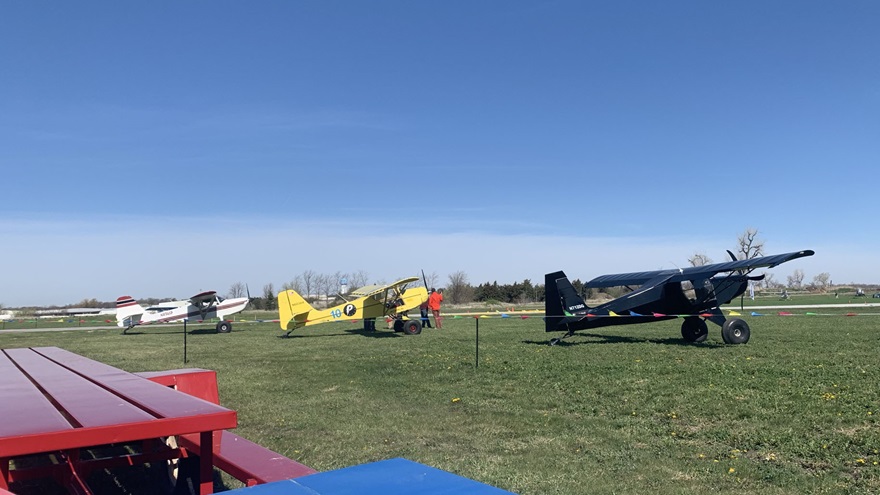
<point x="203" y="331"/>
<point x="376" y="334"/>
<point x="196" y="331"/>
<point x="619" y="339"/>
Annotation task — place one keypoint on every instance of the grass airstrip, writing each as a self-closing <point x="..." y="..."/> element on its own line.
<point x="627" y="410"/>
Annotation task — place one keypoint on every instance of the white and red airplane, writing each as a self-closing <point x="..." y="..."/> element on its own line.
<point x="199" y="307"/>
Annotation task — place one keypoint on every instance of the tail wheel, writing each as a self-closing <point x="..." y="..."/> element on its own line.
<point x="735" y="331"/>
<point x="412" y="327"/>
<point x="224" y="327"/>
<point x="694" y="329"/>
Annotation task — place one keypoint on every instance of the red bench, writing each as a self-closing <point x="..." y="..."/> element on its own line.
<point x="244" y="460"/>
<point x="56" y="402"/>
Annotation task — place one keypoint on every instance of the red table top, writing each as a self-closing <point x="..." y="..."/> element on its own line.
<point x="52" y="399"/>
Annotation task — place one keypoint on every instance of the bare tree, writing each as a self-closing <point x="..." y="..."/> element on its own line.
<point x="359" y="279"/>
<point x="308" y="280"/>
<point x="750" y="246"/>
<point x="699" y="259"/>
<point x="432" y="279"/>
<point x="769" y="283"/>
<point x="820" y="281"/>
<point x="321" y="284"/>
<point x="459" y="290"/>
<point x="796" y="279"/>
<point x="236" y="290"/>
<point x="296" y="284"/>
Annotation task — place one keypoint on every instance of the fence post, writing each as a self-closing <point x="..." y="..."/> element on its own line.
<point x="477" y="359"/>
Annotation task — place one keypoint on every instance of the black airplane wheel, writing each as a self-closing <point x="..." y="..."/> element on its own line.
<point x="735" y="331"/>
<point x="694" y="329"/>
<point x="412" y="327"/>
<point x="398" y="325"/>
<point x="224" y="327"/>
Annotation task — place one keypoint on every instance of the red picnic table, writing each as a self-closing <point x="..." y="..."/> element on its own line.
<point x="53" y="401"/>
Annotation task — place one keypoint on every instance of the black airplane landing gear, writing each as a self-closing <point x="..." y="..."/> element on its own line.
<point x="409" y="327"/>
<point x="559" y="339"/>
<point x="694" y="329"/>
<point x="735" y="331"/>
<point x="412" y="327"/>
<point x="224" y="327"/>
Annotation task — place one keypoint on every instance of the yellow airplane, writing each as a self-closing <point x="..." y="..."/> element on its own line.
<point x="367" y="303"/>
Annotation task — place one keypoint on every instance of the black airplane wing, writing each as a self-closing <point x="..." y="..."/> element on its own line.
<point x="694" y="272"/>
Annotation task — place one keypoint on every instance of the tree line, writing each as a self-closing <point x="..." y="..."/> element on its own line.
<point x="327" y="287"/>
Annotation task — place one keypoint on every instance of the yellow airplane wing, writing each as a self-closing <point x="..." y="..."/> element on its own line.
<point x="372" y="290"/>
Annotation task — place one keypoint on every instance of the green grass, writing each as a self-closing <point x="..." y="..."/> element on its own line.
<point x="625" y="410"/>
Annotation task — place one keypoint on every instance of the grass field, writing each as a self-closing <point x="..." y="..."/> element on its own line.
<point x="626" y="410"/>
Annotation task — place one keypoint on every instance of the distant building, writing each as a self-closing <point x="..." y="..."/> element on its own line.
<point x="67" y="312"/>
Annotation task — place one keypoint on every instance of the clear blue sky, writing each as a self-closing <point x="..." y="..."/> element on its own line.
<point x="160" y="148"/>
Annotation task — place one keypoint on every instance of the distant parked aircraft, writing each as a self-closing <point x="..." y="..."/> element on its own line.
<point x="201" y="306"/>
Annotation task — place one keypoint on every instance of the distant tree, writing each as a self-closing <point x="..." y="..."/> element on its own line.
<point x="296" y="284"/>
<point x="488" y="292"/>
<point x="321" y="285"/>
<point x="750" y="246"/>
<point x="359" y="279"/>
<point x="820" y="281"/>
<point x="769" y="283"/>
<point x="526" y="292"/>
<point x="308" y="281"/>
<point x="236" y="290"/>
<point x="699" y="259"/>
<point x="796" y="279"/>
<point x="459" y="290"/>
<point x="539" y="293"/>
<point x="269" y="296"/>
<point x="432" y="279"/>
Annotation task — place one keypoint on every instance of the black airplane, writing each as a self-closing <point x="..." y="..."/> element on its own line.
<point x="696" y="293"/>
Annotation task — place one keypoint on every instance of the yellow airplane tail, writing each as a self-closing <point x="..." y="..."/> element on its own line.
<point x="293" y="310"/>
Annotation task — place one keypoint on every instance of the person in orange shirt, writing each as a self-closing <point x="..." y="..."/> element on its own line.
<point x="434" y="301"/>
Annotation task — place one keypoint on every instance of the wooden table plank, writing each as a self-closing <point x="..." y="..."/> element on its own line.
<point x="85" y="402"/>
<point x="152" y="397"/>
<point x="23" y="408"/>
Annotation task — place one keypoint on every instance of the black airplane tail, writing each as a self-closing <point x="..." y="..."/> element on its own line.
<point x="560" y="301"/>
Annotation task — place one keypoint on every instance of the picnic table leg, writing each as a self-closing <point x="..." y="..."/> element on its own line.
<point x="73" y="480"/>
<point x="4" y="472"/>
<point x="206" y="463"/>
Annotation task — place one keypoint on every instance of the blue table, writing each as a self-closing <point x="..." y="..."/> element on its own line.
<point x="392" y="477"/>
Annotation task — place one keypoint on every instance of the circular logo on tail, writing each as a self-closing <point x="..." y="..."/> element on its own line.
<point x="349" y="309"/>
